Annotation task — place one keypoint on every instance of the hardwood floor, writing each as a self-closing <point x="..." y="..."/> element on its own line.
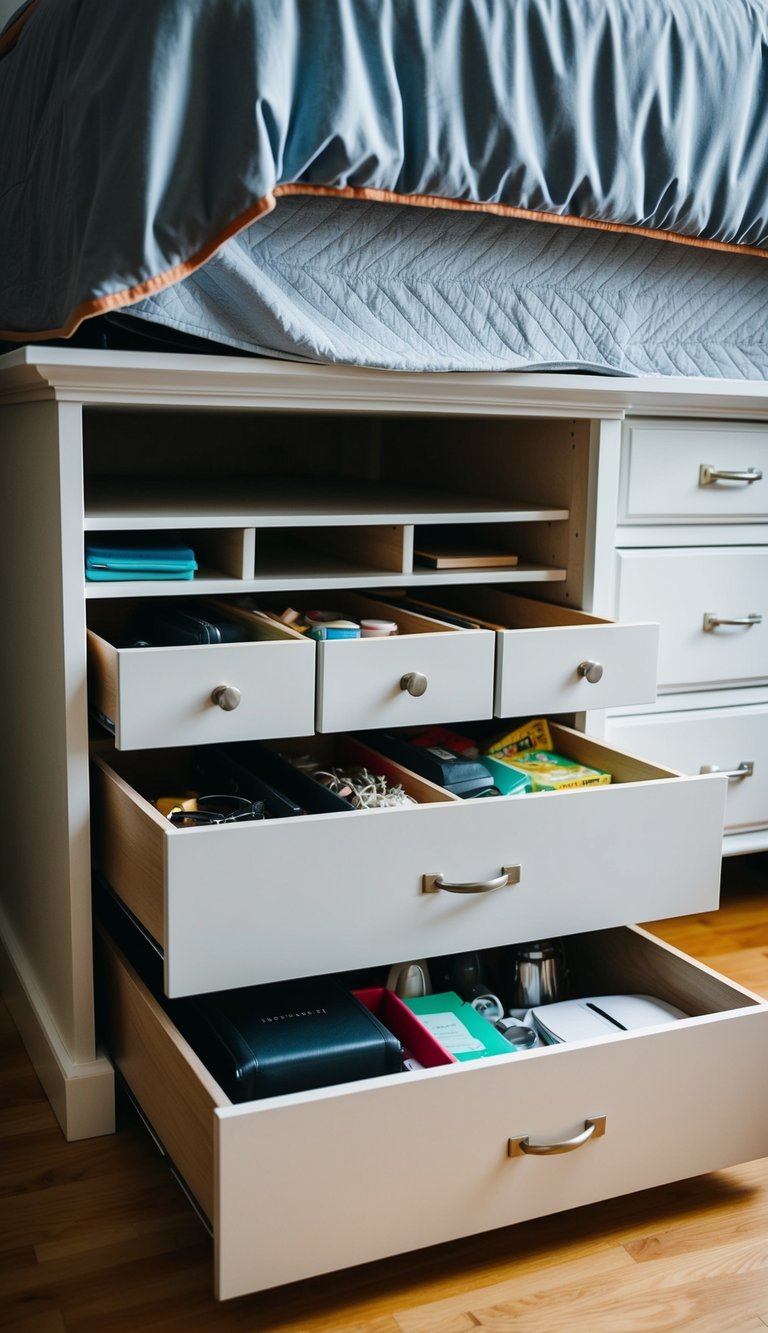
<point x="97" y="1236"/>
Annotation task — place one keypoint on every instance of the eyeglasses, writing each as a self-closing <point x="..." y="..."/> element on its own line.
<point x="216" y="810"/>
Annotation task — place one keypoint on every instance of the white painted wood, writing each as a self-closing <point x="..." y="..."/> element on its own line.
<point x="660" y="473"/>
<point x="692" y="534"/>
<point x="267" y="901"/>
<point x="165" y="694"/>
<point x="432" y="1149"/>
<point x="45" y="885"/>
<point x="81" y="1093"/>
<point x="597" y="594"/>
<point x="359" y="680"/>
<point x="744" y="844"/>
<point x="537" y="669"/>
<point x="744" y="697"/>
<point x="677" y="587"/>
<point x="725" y="737"/>
<point x="89" y="376"/>
<point x="208" y="585"/>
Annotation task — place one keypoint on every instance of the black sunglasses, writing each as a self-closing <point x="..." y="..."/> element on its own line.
<point x="217" y="810"/>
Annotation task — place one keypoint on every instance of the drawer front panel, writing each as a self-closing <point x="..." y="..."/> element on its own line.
<point x="546" y="670"/>
<point x="278" y="1163"/>
<point x="661" y="1123"/>
<point x="165" y="696"/>
<point x="663" y="482"/>
<point x="724" y="738"/>
<point x="363" y="683"/>
<point x="680" y="589"/>
<point x="263" y="902"/>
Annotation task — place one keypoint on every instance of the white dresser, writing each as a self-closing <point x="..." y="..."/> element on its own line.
<point x="692" y="542"/>
<point x="292" y="481"/>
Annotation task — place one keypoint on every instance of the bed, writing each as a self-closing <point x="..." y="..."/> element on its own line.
<point x="403" y="184"/>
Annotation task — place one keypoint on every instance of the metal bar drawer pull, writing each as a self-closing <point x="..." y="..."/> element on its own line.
<point x="711" y="621"/>
<point x="434" y="883"/>
<point x="744" y="770"/>
<point x="708" y="475"/>
<point x="593" y="1129"/>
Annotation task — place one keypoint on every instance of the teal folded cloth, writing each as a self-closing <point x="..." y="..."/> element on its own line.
<point x="118" y="563"/>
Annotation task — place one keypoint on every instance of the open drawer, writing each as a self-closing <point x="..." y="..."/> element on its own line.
<point x="552" y="659"/>
<point x="247" y="903"/>
<point x="424" y="673"/>
<point x="197" y="694"/>
<point x="280" y="1179"/>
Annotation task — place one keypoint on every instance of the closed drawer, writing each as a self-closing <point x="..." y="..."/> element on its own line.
<point x="678" y="471"/>
<point x="552" y="659"/>
<point x="265" y="1172"/>
<point x="168" y="696"/>
<point x="263" y="902"/>
<point x="694" y="593"/>
<point x="734" y="740"/>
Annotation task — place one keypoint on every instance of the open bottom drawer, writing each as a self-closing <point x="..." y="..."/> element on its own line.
<point x="300" y="1185"/>
<point x="224" y="903"/>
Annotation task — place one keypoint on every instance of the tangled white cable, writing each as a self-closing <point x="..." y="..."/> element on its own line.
<point x="363" y="789"/>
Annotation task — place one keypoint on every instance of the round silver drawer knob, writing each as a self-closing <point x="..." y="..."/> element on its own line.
<point x="226" y="696"/>
<point x="414" y="682"/>
<point x="591" y="671"/>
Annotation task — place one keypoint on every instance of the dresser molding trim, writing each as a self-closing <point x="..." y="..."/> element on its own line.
<point x="90" y="376"/>
<point x="81" y="1094"/>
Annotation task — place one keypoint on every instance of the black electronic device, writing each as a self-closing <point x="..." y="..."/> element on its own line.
<point x="245" y="761"/>
<point x="173" y="624"/>
<point x="216" y="766"/>
<point x="462" y="777"/>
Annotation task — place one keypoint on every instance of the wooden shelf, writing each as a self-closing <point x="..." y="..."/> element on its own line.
<point x="335" y="575"/>
<point x="147" y="503"/>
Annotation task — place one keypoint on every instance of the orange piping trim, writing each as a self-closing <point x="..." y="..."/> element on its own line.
<point x="115" y="300"/>
<point x="9" y="38"/>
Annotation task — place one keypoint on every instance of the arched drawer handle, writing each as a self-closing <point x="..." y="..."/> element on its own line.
<point x="708" y="475"/>
<point x="227" y="697"/>
<point x="744" y="770"/>
<point x="591" y="671"/>
<point x="414" y="682"/>
<point x="434" y="883"/>
<point x="593" y="1129"/>
<point x="711" y="621"/>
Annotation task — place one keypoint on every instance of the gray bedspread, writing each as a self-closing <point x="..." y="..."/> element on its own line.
<point x="139" y="138"/>
<point x="406" y="288"/>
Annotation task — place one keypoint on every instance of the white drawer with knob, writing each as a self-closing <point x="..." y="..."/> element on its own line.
<point x="425" y="673"/>
<point x="712" y="605"/>
<point x="203" y="693"/>
<point x="477" y="1145"/>
<point x="553" y="659"/>
<point x="732" y="741"/>
<point x="694" y="472"/>
<point x="264" y="901"/>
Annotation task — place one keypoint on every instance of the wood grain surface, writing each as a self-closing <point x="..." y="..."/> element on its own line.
<point x="96" y="1235"/>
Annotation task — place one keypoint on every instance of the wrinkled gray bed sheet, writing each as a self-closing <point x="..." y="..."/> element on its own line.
<point x="408" y="288"/>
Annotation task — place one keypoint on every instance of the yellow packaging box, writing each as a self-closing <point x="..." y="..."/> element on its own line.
<point x="553" y="772"/>
<point x="534" y="735"/>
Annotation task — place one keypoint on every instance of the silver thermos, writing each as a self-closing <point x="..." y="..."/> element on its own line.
<point x="538" y="974"/>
